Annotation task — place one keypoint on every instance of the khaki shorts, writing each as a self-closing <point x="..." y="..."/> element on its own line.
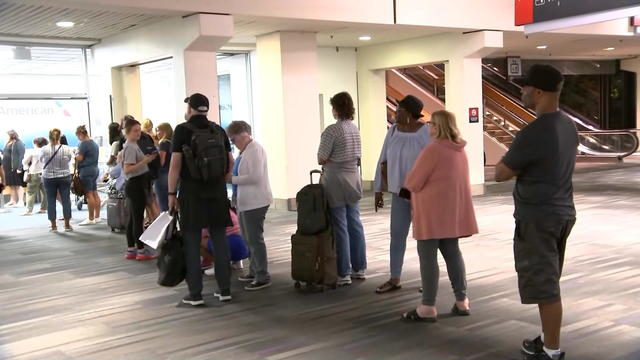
<point x="539" y="248"/>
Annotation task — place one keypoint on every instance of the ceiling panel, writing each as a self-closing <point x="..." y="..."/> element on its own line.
<point x="39" y="20"/>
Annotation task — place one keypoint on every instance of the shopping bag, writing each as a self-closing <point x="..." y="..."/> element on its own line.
<point x="172" y="267"/>
<point x="156" y="231"/>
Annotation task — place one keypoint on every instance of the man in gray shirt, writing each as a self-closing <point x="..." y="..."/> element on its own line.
<point x="543" y="158"/>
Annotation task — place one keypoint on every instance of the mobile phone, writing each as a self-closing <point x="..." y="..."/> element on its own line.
<point x="405" y="194"/>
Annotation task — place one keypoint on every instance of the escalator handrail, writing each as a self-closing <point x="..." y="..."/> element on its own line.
<point x="520" y="121"/>
<point x="630" y="132"/>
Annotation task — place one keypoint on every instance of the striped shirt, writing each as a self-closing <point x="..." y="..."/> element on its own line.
<point x="340" y="143"/>
<point x="59" y="165"/>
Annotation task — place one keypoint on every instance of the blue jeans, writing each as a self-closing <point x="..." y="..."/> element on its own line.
<point x="400" y="223"/>
<point x="161" y="187"/>
<point x="53" y="187"/>
<point x="348" y="232"/>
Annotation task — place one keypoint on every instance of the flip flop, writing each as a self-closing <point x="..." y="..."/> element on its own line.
<point x="387" y="287"/>
<point x="456" y="311"/>
<point x="412" y="316"/>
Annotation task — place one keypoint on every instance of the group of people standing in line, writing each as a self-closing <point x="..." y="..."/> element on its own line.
<point x="422" y="164"/>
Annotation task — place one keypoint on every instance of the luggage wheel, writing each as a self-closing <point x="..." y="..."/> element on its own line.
<point x="297" y="285"/>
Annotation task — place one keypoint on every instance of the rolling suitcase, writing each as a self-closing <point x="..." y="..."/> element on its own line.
<point x="117" y="211"/>
<point x="313" y="248"/>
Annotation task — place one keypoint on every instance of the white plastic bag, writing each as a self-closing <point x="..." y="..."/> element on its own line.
<point x="156" y="232"/>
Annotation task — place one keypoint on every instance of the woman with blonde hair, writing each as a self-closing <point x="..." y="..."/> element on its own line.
<point x="442" y="213"/>
<point x="164" y="132"/>
<point x="57" y="178"/>
<point x="147" y="127"/>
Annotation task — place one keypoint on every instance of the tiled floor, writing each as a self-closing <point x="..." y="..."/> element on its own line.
<point x="70" y="296"/>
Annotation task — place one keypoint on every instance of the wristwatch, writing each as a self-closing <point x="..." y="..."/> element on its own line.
<point x="172" y="193"/>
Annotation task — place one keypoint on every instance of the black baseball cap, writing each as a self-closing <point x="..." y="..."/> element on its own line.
<point x="198" y="102"/>
<point x="544" y="77"/>
<point x="413" y="105"/>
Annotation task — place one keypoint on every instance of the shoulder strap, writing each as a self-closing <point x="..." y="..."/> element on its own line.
<point x="51" y="158"/>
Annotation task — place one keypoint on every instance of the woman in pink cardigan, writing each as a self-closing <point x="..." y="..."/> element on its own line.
<point x="442" y="213"/>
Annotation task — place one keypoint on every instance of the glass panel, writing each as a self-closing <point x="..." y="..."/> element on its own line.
<point x="41" y="70"/>
<point x="34" y="118"/>
<point x="158" y="93"/>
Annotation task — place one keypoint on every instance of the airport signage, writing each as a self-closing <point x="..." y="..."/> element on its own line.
<point x="567" y="13"/>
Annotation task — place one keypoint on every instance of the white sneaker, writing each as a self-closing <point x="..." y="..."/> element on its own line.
<point x="97" y="220"/>
<point x="28" y="213"/>
<point x="87" y="222"/>
<point x="358" y="275"/>
<point x="210" y="272"/>
<point x="344" y="281"/>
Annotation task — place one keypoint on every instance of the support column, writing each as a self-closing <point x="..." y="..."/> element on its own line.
<point x="289" y="110"/>
<point x="200" y="58"/>
<point x="464" y="91"/>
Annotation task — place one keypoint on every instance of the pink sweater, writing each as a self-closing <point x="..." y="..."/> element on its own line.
<point x="441" y="193"/>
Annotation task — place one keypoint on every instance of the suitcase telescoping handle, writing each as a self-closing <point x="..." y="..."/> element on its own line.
<point x="319" y="172"/>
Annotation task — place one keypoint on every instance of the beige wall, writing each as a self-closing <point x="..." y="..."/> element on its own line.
<point x="634" y="65"/>
<point x="127" y="96"/>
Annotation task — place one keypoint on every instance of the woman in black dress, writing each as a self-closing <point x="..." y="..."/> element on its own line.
<point x="12" y="165"/>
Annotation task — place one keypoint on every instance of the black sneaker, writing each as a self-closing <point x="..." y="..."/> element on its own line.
<point x="542" y="356"/>
<point x="532" y="347"/>
<point x="257" y="285"/>
<point x="223" y="295"/>
<point x="193" y="300"/>
<point x="247" y="278"/>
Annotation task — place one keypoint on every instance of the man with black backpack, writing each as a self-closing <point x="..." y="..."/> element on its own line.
<point x="200" y="165"/>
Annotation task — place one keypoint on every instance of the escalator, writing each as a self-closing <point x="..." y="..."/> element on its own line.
<point x="504" y="114"/>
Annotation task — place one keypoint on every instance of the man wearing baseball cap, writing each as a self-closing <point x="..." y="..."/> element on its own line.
<point x="202" y="203"/>
<point x="542" y="158"/>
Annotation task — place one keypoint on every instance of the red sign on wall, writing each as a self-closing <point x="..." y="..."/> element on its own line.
<point x="474" y="115"/>
<point x="535" y="11"/>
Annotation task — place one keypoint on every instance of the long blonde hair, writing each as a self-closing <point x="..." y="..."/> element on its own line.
<point x="445" y="126"/>
<point x="147" y="126"/>
<point x="167" y="130"/>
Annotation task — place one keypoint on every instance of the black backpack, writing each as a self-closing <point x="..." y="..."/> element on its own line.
<point x="313" y="208"/>
<point x="206" y="155"/>
<point x="148" y="147"/>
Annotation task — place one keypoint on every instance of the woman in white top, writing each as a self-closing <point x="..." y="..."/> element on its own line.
<point x="404" y="142"/>
<point x="252" y="195"/>
<point x="57" y="178"/>
<point x="33" y="178"/>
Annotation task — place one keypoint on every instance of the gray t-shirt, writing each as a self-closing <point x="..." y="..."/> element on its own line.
<point x="133" y="155"/>
<point x="544" y="153"/>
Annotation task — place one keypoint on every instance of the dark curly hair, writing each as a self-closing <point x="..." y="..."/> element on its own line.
<point x="342" y="103"/>
<point x="115" y="132"/>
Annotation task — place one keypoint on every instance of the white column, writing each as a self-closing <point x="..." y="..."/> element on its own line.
<point x="289" y="109"/>
<point x="200" y="58"/>
<point x="464" y="91"/>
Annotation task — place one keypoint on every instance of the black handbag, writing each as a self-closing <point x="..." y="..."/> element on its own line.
<point x="172" y="267"/>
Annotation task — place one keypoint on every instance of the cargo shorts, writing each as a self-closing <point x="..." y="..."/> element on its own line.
<point x="539" y="249"/>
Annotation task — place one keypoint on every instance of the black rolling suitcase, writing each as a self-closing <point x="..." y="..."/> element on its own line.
<point x="313" y="248"/>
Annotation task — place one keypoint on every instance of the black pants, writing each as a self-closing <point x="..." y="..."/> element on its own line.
<point x="221" y="258"/>
<point x="136" y="190"/>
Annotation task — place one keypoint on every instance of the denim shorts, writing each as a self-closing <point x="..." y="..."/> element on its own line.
<point x="539" y="248"/>
<point x="89" y="179"/>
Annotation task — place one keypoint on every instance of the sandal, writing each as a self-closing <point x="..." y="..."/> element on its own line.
<point x="68" y="229"/>
<point x="456" y="311"/>
<point x="412" y="316"/>
<point x="388" y="287"/>
<point x="53" y="229"/>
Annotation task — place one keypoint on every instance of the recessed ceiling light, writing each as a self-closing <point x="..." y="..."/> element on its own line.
<point x="609" y="49"/>
<point x="541" y="47"/>
<point x="365" y="37"/>
<point x="65" y="24"/>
